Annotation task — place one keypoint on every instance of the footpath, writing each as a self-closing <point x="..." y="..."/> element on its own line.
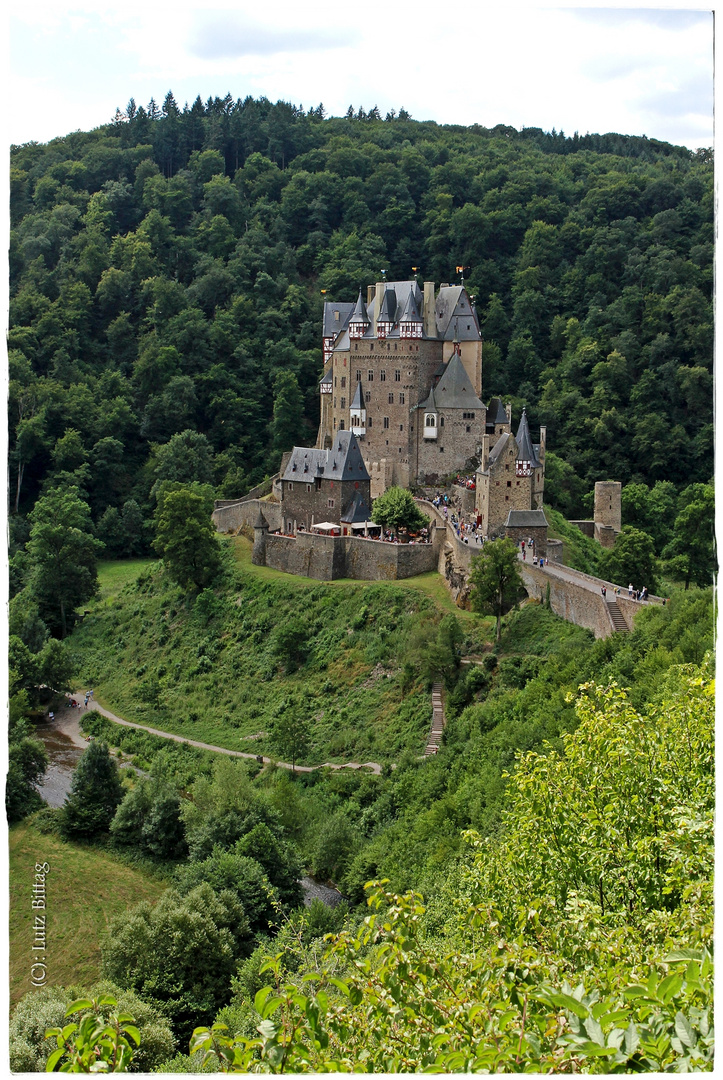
<point x="68" y="721"/>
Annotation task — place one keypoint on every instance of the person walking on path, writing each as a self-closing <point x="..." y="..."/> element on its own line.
<point x="604" y="591"/>
<point x="630" y="591"/>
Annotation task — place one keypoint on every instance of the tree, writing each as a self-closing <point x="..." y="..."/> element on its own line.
<point x="180" y="954"/>
<point x="27" y="762"/>
<point x="64" y="556"/>
<point x="632" y="559"/>
<point x="185" y="538"/>
<point x="495" y="579"/>
<point x="290" y="732"/>
<point x="396" y="509"/>
<point x="94" y="794"/>
<point x="288" y="411"/>
<point x="691" y="552"/>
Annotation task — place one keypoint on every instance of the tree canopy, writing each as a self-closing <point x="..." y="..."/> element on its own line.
<point x="495" y="579"/>
<point x="396" y="509"/>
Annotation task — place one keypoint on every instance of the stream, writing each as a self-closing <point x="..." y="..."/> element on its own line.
<point x="64" y="756"/>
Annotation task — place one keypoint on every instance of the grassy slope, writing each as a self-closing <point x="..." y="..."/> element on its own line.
<point x="86" y="888"/>
<point x="220" y="680"/>
<point x="579" y="551"/>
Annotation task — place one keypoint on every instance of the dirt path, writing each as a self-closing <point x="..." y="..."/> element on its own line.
<point x="68" y="721"/>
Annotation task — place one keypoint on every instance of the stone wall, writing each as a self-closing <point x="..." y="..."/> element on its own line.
<point x="230" y="517"/>
<point x="538" y="534"/>
<point x="572" y="602"/>
<point x="328" y="558"/>
<point x="586" y="527"/>
<point x="459" y="438"/>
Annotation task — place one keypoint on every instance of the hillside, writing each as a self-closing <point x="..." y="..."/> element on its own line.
<point x="167" y="276"/>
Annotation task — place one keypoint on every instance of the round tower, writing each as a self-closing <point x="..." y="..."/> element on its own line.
<point x="608" y="504"/>
<point x="261" y="528"/>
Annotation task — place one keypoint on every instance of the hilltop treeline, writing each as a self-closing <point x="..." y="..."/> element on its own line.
<point x="167" y="273"/>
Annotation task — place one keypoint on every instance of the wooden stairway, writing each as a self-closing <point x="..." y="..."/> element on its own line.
<point x="434" y="740"/>
<point x="621" y="627"/>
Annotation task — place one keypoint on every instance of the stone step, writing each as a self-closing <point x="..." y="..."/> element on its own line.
<point x="621" y="627"/>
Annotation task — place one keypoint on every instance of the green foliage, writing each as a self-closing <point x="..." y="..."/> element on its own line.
<point x="691" y="551"/>
<point x="632" y="559"/>
<point x="396" y="509"/>
<point x="291" y="732"/>
<point x="149" y="818"/>
<point x="63" y="556"/>
<point x="495" y="580"/>
<point x="95" y="793"/>
<point x="98" y="1042"/>
<point x="240" y="875"/>
<point x="178" y="955"/>
<point x="186" y="539"/>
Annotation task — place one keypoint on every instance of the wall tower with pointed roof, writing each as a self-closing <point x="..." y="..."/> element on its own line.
<point x="511" y="476"/>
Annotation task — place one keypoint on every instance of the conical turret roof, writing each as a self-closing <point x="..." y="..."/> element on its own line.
<point x="261" y="522"/>
<point x="388" y="306"/>
<point x="357" y="401"/>
<point x="525" y="449"/>
<point x="359" y="314"/>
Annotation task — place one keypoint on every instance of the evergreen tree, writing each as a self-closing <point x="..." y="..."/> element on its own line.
<point x="94" y="794"/>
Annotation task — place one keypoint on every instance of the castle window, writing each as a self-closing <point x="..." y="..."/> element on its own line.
<point x="330" y="503"/>
<point x="401" y="427"/>
<point x="356" y="347"/>
<point x="308" y="487"/>
<point x="509" y="483"/>
<point x="334" y="402"/>
<point x="369" y="422"/>
<point x="358" y="376"/>
<point x="367" y="397"/>
<point x="430" y="420"/>
<point x="343" y="403"/>
<point x="441" y="421"/>
<point x="507" y="498"/>
<point x="370" y="375"/>
<point x="397" y="376"/>
<point x="335" y="380"/>
<point x="386" y="421"/>
<point x="391" y="399"/>
<point x="341" y="425"/>
<point x="468" y="429"/>
<point x="382" y="376"/>
<point x="401" y="399"/>
<point x="441" y="449"/>
<point x="518" y="483"/>
<point x="343" y="381"/>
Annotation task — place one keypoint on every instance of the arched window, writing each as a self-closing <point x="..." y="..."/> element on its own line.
<point x="430" y="420"/>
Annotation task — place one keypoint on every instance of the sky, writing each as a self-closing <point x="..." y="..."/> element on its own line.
<point x="638" y="71"/>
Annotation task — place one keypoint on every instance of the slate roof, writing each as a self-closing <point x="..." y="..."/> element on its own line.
<point x="496" y="413"/>
<point x="357" y="402"/>
<point x="261" y="522"/>
<point x="388" y="308"/>
<point x="332" y="325"/>
<point x="499" y="447"/>
<point x="526" y="519"/>
<point x="411" y="313"/>
<point x="525" y="449"/>
<point x="359" y="314"/>
<point x="358" y="510"/>
<point x="454" y="390"/>
<point x="455" y="314"/>
<point x="326" y="379"/>
<point x="343" y="462"/>
<point x="430" y="405"/>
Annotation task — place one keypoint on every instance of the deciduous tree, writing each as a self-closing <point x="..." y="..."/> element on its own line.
<point x="495" y="579"/>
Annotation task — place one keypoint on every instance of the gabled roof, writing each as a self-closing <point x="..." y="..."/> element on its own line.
<point x="454" y="312"/>
<point x="526" y="519"/>
<point x="410" y="314"/>
<point x="358" y="510"/>
<point x="525" y="449"/>
<point x="499" y="447"/>
<point x="388" y="307"/>
<point x="332" y="324"/>
<point x="343" y="462"/>
<point x="496" y="413"/>
<point x="359" y="314"/>
<point x="357" y="402"/>
<point x="454" y="390"/>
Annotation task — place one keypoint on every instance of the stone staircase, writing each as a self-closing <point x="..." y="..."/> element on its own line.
<point x="434" y="740"/>
<point x="621" y="627"/>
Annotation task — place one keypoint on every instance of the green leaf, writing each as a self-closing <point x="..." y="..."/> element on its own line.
<point x="54" y="1059"/>
<point x="77" y="1006"/>
<point x="632" y="1039"/>
<point x="134" y="1033"/>
<point x="683" y="1030"/>
<point x="682" y="954"/>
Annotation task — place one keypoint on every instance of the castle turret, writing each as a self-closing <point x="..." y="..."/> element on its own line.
<point x="359" y="320"/>
<point x="358" y="413"/>
<point x="261" y="528"/>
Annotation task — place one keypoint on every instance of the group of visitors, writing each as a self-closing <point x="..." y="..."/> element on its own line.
<point x="466" y="482"/>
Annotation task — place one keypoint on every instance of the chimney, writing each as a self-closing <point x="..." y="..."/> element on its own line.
<point x="378" y="297"/>
<point x="430" y="323"/>
<point x="508" y="410"/>
<point x="370" y="293"/>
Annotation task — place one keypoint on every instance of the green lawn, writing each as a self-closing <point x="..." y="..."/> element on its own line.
<point x="85" y="889"/>
<point x="113" y="575"/>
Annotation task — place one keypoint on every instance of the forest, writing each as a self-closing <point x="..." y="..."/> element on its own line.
<point x="538" y="896"/>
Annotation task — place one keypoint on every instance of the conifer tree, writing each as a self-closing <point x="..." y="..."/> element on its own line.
<point x="94" y="794"/>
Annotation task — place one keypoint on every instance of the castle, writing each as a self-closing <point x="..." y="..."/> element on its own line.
<point x="403" y="373"/>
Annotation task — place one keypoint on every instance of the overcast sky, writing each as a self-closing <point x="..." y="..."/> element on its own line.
<point x="639" y="71"/>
